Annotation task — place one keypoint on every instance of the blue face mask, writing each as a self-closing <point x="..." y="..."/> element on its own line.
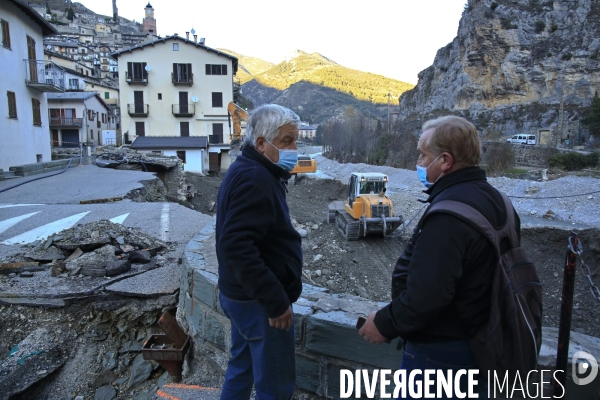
<point x="287" y="158"/>
<point x="422" y="172"/>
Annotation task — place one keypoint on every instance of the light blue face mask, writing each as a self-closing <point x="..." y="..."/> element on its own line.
<point x="422" y="172"/>
<point x="287" y="158"/>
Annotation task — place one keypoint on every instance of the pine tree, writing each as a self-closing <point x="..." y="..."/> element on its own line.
<point x="70" y="14"/>
<point x="592" y="119"/>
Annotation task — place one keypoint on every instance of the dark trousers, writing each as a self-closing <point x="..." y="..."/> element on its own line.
<point x="441" y="356"/>
<point x="260" y="355"/>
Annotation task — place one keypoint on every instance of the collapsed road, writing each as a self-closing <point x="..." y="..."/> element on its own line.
<point x="89" y="343"/>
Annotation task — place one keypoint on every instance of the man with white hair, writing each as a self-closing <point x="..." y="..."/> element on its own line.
<point x="260" y="258"/>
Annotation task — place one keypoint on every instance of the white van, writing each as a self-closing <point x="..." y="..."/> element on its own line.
<point x="522" y="139"/>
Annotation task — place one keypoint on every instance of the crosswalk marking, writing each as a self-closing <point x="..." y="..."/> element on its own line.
<point x="46" y="230"/>
<point x="164" y="223"/>
<point x="7" y="223"/>
<point x="19" y="205"/>
<point x="119" y="219"/>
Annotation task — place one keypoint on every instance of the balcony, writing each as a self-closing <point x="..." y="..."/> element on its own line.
<point x="65" y="122"/>
<point x="187" y="79"/>
<point x="138" y="110"/>
<point x="136" y="79"/>
<point x="184" y="110"/>
<point x="44" y="76"/>
<point x="215" y="139"/>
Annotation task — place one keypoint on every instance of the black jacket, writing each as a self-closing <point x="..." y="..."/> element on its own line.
<point x="441" y="282"/>
<point x="258" y="249"/>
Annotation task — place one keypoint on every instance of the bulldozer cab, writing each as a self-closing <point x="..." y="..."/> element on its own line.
<point x="366" y="183"/>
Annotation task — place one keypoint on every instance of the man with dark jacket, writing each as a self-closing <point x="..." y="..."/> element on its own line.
<point x="260" y="258"/>
<point x="441" y="282"/>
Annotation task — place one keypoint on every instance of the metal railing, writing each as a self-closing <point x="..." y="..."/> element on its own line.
<point x="188" y="79"/>
<point x="55" y="121"/>
<point x="136" y="77"/>
<point x="138" y="109"/>
<point x="215" y="139"/>
<point x="44" y="75"/>
<point x="184" y="109"/>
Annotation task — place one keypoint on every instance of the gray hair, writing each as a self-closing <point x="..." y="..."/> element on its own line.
<point x="456" y="136"/>
<point x="266" y="120"/>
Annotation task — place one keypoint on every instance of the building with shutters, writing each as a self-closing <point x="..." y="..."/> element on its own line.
<point x="177" y="87"/>
<point x="77" y="118"/>
<point x="26" y="76"/>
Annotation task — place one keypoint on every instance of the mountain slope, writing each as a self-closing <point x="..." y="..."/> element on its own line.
<point x="527" y="66"/>
<point x="248" y="66"/>
<point x="320" y="70"/>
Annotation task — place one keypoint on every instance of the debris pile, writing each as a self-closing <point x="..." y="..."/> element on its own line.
<point x="96" y="249"/>
<point x="127" y="158"/>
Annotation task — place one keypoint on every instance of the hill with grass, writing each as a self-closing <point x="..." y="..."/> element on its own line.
<point x="318" y="88"/>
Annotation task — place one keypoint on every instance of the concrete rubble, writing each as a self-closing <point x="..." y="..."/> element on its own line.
<point x="98" y="289"/>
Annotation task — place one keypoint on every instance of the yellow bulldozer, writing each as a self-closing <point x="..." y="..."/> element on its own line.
<point x="367" y="210"/>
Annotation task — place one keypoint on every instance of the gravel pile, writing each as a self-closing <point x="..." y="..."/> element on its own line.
<point x="569" y="198"/>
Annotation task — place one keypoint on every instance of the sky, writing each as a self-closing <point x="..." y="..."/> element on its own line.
<point x="394" y="38"/>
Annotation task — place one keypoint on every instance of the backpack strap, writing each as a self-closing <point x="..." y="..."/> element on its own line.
<point x="472" y="216"/>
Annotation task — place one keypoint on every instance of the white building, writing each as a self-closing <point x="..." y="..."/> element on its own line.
<point x="177" y="87"/>
<point x="192" y="151"/>
<point x="78" y="117"/>
<point x="25" y="78"/>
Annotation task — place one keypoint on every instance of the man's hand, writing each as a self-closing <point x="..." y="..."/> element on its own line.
<point x="284" y="321"/>
<point x="369" y="331"/>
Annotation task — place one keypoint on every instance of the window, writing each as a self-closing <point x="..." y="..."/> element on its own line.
<point x="103" y="118"/>
<point x="73" y="84"/>
<point x="217" y="99"/>
<point x="91" y="133"/>
<point x="140" y="130"/>
<point x="216" y="69"/>
<point x="12" y="105"/>
<point x="136" y="71"/>
<point x="37" y="115"/>
<point x="91" y="115"/>
<point x="106" y="95"/>
<point x="181" y="156"/>
<point x="175" y="46"/>
<point x="182" y="72"/>
<point x="217" y="136"/>
<point x="184" y="129"/>
<point x="160" y="96"/>
<point x="5" y="34"/>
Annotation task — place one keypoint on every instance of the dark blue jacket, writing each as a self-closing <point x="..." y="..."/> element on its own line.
<point x="258" y="249"/>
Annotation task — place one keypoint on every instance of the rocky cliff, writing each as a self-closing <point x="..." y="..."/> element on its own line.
<point x="515" y="66"/>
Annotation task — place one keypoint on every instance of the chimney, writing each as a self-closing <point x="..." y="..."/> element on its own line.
<point x="196" y="38"/>
<point x="187" y="36"/>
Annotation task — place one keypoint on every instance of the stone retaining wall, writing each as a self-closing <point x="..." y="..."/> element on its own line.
<point x="524" y="154"/>
<point x="42" y="167"/>
<point x="326" y="337"/>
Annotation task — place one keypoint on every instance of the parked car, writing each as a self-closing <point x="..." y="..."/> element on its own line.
<point x="522" y="139"/>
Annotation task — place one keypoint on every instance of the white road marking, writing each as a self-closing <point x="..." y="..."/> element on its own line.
<point x="46" y="230"/>
<point x="7" y="223"/>
<point x="164" y="223"/>
<point x="119" y="219"/>
<point x="20" y="205"/>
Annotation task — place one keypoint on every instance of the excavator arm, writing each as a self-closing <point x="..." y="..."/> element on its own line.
<point x="237" y="115"/>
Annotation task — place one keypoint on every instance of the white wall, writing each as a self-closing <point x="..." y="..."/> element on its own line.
<point x="20" y="140"/>
<point x="194" y="159"/>
<point x="161" y="121"/>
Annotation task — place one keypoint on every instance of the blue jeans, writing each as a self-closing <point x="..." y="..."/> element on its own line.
<point x="441" y="356"/>
<point x="260" y="355"/>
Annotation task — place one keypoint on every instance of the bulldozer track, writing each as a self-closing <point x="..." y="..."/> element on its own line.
<point x="347" y="225"/>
